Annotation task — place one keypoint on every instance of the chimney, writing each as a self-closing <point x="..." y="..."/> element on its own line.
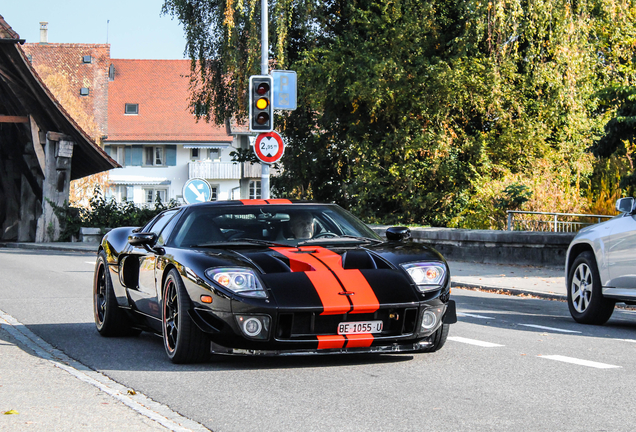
<point x="44" y="32"/>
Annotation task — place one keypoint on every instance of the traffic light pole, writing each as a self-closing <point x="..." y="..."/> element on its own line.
<point x="265" y="71"/>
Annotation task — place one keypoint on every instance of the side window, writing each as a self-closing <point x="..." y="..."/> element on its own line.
<point x="161" y="221"/>
<point x="165" y="233"/>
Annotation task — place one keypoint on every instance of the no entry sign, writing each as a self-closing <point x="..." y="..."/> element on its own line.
<point x="269" y="147"/>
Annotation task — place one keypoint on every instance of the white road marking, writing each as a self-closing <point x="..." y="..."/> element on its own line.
<point x="627" y="340"/>
<point x="89" y="262"/>
<point x="578" y="361"/>
<point x="464" y="314"/>
<point x="139" y="402"/>
<point x="474" y="342"/>
<point x="549" y="328"/>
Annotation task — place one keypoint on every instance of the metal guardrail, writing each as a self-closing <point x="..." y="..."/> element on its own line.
<point x="553" y="224"/>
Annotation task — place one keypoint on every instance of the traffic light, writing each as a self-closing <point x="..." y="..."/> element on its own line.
<point x="261" y="110"/>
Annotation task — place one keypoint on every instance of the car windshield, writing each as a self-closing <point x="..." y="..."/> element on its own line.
<point x="269" y="225"/>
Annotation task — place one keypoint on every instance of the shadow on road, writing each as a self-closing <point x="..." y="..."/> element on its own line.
<point x="81" y="342"/>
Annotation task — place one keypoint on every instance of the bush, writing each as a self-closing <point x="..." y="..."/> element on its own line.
<point x="103" y="213"/>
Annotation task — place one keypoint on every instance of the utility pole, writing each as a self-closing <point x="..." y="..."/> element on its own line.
<point x="264" y="71"/>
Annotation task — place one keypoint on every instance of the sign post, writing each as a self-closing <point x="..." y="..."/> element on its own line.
<point x="264" y="71"/>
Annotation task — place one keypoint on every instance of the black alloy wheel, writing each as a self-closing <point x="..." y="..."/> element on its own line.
<point x="183" y="340"/>
<point x="109" y="319"/>
<point x="585" y="292"/>
<point x="171" y="315"/>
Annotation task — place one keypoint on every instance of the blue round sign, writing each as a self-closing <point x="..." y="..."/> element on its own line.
<point x="196" y="190"/>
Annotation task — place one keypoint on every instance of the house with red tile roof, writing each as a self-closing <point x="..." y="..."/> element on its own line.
<point x="157" y="138"/>
<point x="80" y="72"/>
<point x="148" y="126"/>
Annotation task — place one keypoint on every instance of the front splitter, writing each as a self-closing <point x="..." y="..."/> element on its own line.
<point x="383" y="349"/>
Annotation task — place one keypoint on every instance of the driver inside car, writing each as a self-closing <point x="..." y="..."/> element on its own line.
<point x="301" y="225"/>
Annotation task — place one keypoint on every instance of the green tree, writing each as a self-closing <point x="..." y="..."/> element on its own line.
<point x="620" y="131"/>
<point x="424" y="112"/>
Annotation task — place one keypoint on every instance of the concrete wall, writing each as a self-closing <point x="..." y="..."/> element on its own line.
<point x="491" y="246"/>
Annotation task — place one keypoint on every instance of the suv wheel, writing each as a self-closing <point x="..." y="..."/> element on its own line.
<point x="585" y="296"/>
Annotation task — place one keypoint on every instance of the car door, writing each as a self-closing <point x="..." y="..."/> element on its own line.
<point x="145" y="295"/>
<point x="622" y="253"/>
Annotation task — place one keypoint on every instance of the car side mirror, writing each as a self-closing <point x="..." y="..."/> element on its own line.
<point x="625" y="205"/>
<point x="398" y="233"/>
<point x="143" y="239"/>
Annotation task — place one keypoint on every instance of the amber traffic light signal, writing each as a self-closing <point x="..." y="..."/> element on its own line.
<point x="261" y="112"/>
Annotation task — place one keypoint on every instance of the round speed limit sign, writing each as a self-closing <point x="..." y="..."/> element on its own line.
<point x="269" y="147"/>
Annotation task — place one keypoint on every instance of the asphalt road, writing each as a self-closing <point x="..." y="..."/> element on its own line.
<point x="511" y="363"/>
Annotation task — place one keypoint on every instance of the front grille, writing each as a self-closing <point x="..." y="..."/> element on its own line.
<point x="397" y="321"/>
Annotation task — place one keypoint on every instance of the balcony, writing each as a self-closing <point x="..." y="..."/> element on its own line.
<point x="214" y="170"/>
<point x="226" y="170"/>
<point x="251" y="170"/>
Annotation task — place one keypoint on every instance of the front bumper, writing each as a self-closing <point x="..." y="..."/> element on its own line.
<point x="316" y="334"/>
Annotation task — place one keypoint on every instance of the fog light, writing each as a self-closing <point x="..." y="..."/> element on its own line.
<point x="429" y="319"/>
<point x="255" y="327"/>
<point x="252" y="327"/>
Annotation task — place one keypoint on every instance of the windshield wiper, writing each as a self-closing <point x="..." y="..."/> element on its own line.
<point x="242" y="241"/>
<point x="338" y="238"/>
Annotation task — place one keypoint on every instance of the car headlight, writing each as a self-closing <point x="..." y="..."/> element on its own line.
<point x="241" y="281"/>
<point x="427" y="276"/>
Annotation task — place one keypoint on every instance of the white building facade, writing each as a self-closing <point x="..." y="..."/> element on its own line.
<point x="160" y="144"/>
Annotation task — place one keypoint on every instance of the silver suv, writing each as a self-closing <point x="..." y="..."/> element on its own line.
<point x="600" y="268"/>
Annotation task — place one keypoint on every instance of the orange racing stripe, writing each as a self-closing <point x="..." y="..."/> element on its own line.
<point x="264" y="202"/>
<point x="364" y="299"/>
<point x="254" y="202"/>
<point x="359" y="340"/>
<point x="278" y="201"/>
<point x="324" y="282"/>
<point x="330" y="341"/>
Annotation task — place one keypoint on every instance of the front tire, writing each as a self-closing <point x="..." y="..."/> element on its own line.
<point x="437" y="339"/>
<point x="585" y="293"/>
<point x="183" y="340"/>
<point x="110" y="320"/>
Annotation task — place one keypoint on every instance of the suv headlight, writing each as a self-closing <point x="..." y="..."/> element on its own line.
<point x="428" y="276"/>
<point x="242" y="281"/>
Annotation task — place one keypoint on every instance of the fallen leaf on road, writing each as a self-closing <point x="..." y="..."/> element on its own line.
<point x="10" y="412"/>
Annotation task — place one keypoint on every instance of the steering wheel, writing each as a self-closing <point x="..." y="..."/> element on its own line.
<point x="325" y="234"/>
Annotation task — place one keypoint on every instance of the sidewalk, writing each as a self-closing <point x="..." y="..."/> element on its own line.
<point x="542" y="282"/>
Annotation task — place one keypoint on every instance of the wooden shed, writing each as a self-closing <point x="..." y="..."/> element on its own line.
<point x="41" y="148"/>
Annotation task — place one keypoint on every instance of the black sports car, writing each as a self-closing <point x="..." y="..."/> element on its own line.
<point x="271" y="277"/>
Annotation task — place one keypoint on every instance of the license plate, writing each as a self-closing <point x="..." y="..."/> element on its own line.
<point x="360" y="327"/>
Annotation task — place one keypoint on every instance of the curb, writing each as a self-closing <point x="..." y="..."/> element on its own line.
<point x="510" y="291"/>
